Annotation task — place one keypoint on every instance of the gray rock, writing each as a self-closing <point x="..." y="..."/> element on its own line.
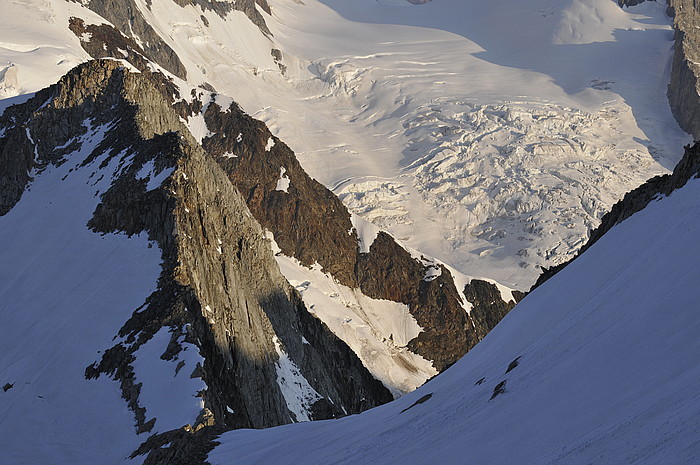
<point x="684" y="87"/>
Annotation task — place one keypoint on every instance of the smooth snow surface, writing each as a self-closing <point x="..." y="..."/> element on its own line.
<point x="64" y="293"/>
<point x="168" y="392"/>
<point x="607" y="371"/>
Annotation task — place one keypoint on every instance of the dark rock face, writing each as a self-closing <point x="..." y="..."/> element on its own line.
<point x="220" y="287"/>
<point x="307" y="219"/>
<point x="312" y="225"/>
<point x="635" y="200"/>
<point x="222" y="8"/>
<point x="488" y="306"/>
<point x="389" y="272"/>
<point x="630" y="2"/>
<point x="684" y="88"/>
<point x="16" y="159"/>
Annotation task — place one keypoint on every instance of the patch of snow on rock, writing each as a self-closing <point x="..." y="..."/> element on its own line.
<point x="366" y="232"/>
<point x="284" y="181"/>
<point x="297" y="392"/>
<point x="155" y="179"/>
<point x="168" y="392"/>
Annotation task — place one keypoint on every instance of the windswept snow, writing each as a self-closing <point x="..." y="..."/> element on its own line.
<point x="606" y="371"/>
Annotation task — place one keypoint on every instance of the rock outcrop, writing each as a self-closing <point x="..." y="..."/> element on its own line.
<point x="684" y="87"/>
<point x="488" y="306"/>
<point x="220" y="287"/>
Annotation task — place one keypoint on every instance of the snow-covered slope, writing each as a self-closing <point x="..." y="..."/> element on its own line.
<point x="598" y="365"/>
<point x="65" y="291"/>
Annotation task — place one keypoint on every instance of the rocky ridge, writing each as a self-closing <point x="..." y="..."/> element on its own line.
<point x="220" y="287"/>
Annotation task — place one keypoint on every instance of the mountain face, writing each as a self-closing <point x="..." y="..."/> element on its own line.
<point x="260" y="356"/>
<point x="312" y="225"/>
<point x="177" y="269"/>
<point x="597" y="365"/>
<point x="265" y="359"/>
<point x="307" y="221"/>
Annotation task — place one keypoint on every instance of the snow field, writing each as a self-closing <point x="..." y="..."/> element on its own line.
<point x="489" y="138"/>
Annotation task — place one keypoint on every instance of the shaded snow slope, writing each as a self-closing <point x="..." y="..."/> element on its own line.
<point x="601" y="360"/>
<point x="64" y="292"/>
